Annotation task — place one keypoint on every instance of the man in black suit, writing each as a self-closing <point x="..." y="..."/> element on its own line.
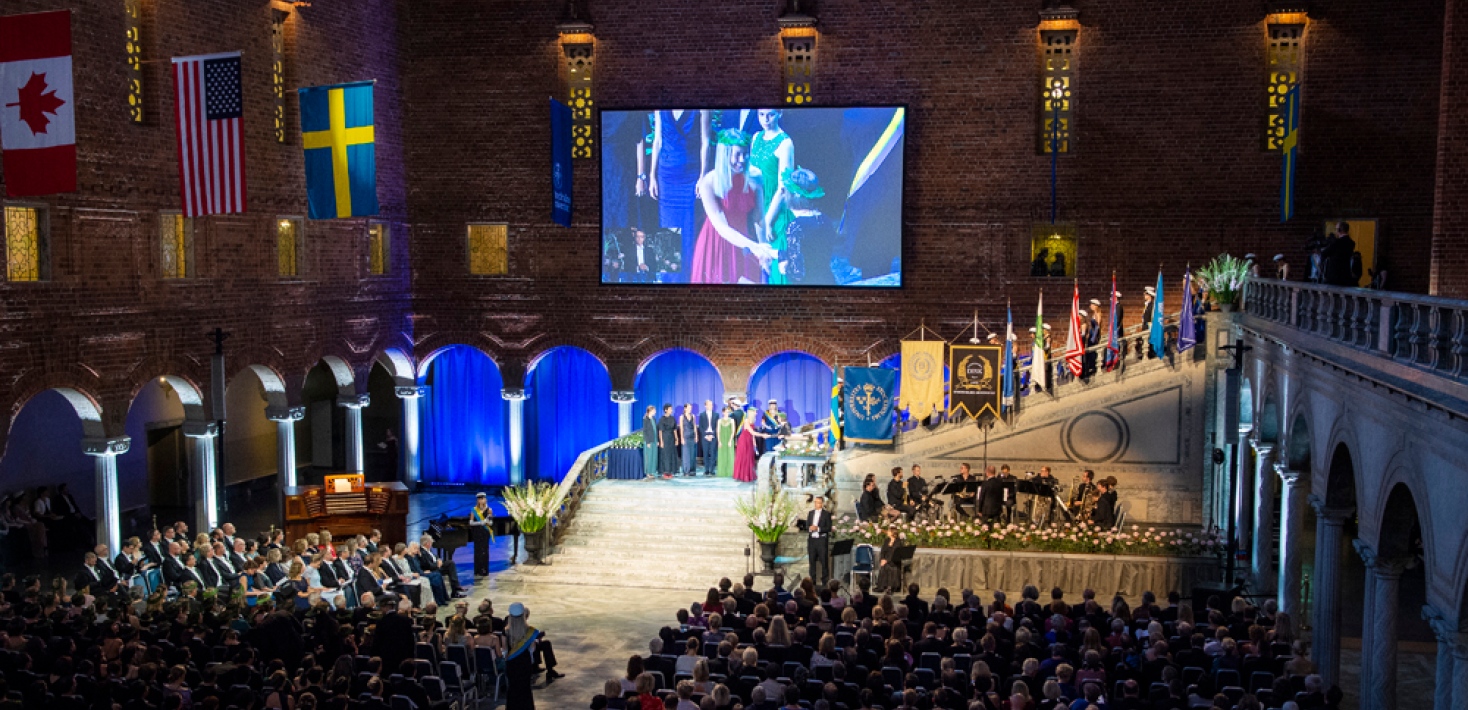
<point x="95" y="577"/>
<point x="708" y="443"/>
<point x="917" y="609"/>
<point x="818" y="544"/>
<point x="394" y="638"/>
<point x="917" y="488"/>
<point x="991" y="496"/>
<point x="173" y="568"/>
<point x="237" y="554"/>
<point x="428" y="562"/>
<point x="414" y="554"/>
<point x="897" y="493"/>
<point x="154" y="549"/>
<point x="933" y="641"/>
<point x="1104" y="516"/>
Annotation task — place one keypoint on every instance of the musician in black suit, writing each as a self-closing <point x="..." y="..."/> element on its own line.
<point x="991" y="496"/>
<point x="917" y="488"/>
<point x="869" y="506"/>
<point x="1104" y="516"/>
<point x="818" y="542"/>
<point x="897" y="493"/>
<point x="965" y="504"/>
<point x="708" y="441"/>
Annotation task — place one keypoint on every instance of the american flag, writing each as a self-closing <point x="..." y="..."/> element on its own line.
<point x="211" y="151"/>
<point x="1075" y="344"/>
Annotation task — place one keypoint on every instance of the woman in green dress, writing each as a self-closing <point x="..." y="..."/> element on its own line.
<point x="773" y="153"/>
<point x="725" y="435"/>
<point x="650" y="442"/>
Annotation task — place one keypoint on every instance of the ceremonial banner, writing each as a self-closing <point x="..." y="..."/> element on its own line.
<point x="209" y="122"/>
<point x="868" y="405"/>
<point x="1037" y="349"/>
<point x="1187" y="330"/>
<point x="341" y="152"/>
<point x="836" y="403"/>
<point x="1289" y="148"/>
<point x="560" y="163"/>
<point x="1156" y="334"/>
<point x="1075" y="345"/>
<point x="37" y="114"/>
<point x="922" y="377"/>
<point x="974" y="370"/>
<point x="1007" y="374"/>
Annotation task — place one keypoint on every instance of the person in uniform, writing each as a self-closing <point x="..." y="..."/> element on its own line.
<point x="479" y="520"/>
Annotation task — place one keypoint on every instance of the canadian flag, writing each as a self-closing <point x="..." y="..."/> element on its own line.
<point x="37" y="111"/>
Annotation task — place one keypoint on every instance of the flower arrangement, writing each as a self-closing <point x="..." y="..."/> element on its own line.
<point x="768" y="513"/>
<point x="630" y="441"/>
<point x="805" y="447"/>
<point x="532" y="504"/>
<point x="1224" y="277"/>
<point x="1074" y="538"/>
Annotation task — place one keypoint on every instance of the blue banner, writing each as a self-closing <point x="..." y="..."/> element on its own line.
<point x="868" y="404"/>
<point x="560" y="163"/>
<point x="341" y="150"/>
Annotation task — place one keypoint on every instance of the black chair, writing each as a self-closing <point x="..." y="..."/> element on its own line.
<point x="932" y="662"/>
<point x="1260" y="680"/>
<point x="1191" y="675"/>
<point x="789" y="668"/>
<point x="1234" y="693"/>
<point x="927" y="678"/>
<point x="892" y="675"/>
<point x="962" y="662"/>
<point x="1226" y="677"/>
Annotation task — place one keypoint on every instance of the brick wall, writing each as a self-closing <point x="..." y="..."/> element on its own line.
<point x="1449" y="249"/>
<point x="1168" y="168"/>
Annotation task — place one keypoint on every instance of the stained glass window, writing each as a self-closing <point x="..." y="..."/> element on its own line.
<point x="1286" y="56"/>
<point x="377" y="248"/>
<point x="1057" y="89"/>
<point x="25" y="243"/>
<point x="134" y="50"/>
<point x="290" y="247"/>
<point x="176" y="240"/>
<point x="488" y="250"/>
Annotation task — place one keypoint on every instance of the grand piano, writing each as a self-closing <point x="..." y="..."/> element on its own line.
<point x="450" y="533"/>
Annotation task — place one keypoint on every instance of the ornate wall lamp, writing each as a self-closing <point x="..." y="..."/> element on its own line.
<point x="1060" y="27"/>
<point x="798" y="39"/>
<point x="577" y="47"/>
<point x="1285" y="37"/>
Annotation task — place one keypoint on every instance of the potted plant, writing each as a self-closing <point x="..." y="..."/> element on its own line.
<point x="768" y="514"/>
<point x="1224" y="279"/>
<point x="533" y="505"/>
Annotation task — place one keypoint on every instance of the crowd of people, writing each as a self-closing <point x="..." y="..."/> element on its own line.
<point x="35" y="522"/>
<point x="829" y="647"/>
<point x="724" y="443"/>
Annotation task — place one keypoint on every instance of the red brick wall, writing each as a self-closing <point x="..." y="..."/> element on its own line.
<point x="1450" y="219"/>
<point x="1167" y="168"/>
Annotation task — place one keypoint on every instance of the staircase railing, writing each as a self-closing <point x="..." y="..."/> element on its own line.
<point x="589" y="467"/>
<point x="1423" y="332"/>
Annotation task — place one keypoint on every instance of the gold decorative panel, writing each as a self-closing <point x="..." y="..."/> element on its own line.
<point x="578" y="73"/>
<point x="377" y="248"/>
<point x="176" y="242"/>
<point x="24" y="243"/>
<point x="800" y="64"/>
<point x="488" y="249"/>
<point x="1286" y="58"/>
<point x="289" y="246"/>
<point x="277" y="72"/>
<point x="133" y="9"/>
<point x="1058" y="74"/>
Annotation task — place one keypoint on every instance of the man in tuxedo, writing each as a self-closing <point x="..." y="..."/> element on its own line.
<point x="173" y="567"/>
<point x="414" y="554"/>
<point x="964" y="503"/>
<point x="429" y="562"/>
<point x="237" y="554"/>
<point x="1104" y="516"/>
<point x="897" y="493"/>
<point x="708" y="443"/>
<point x="991" y="496"/>
<point x="229" y="575"/>
<point x="818" y="544"/>
<point x="642" y="262"/>
<point x="154" y="549"/>
<point x="917" y="488"/>
<point x="102" y="553"/>
<point x="394" y="638"/>
<point x="208" y="569"/>
<point x="96" y="578"/>
<point x="229" y="538"/>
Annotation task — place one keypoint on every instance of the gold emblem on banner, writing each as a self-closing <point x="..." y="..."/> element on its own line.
<point x="975" y="373"/>
<point x="872" y="403"/>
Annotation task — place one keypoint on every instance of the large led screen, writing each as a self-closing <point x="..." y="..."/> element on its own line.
<point x="756" y="196"/>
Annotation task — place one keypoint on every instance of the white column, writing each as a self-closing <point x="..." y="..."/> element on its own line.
<point x="1291" y="520"/>
<point x="516" y="398"/>
<point x="109" y="508"/>
<point x="1379" y="629"/>
<point x="203" y="477"/>
<point x="1263" y="516"/>
<point x="1326" y="590"/>
<point x="285" y="419"/>
<point x="624" y="400"/>
<point x="354" y="405"/>
<point x="411" y="462"/>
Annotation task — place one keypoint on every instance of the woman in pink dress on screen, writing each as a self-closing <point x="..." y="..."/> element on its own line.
<point x="744" y="449"/>
<point x="726" y="252"/>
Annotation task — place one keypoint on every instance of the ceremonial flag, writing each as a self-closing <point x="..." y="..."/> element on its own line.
<point x="868" y="405"/>
<point x="1289" y="147"/>
<point x="1037" y="348"/>
<point x="974" y="371"/>
<point x="874" y="159"/>
<point x="1187" y="330"/>
<point x="37" y="111"/>
<point x="1155" y="335"/>
<point x="341" y="154"/>
<point x="1008" y="373"/>
<point x="560" y="163"/>
<point x="1113" y="327"/>
<point x="208" y="110"/>
<point x="1075" y="345"/>
<point x="835" y="404"/>
<point x="922" y="377"/>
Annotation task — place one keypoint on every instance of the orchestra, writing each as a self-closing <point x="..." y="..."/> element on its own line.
<point x="996" y="497"/>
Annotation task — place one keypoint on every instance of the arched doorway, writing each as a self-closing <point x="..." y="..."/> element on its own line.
<point x="321" y="437"/>
<point x="383" y="414"/>
<point x="251" y="440"/>
<point x="568" y="409"/>
<point x="677" y="377"/>
<point x="44" y="448"/>
<point x="799" y="382"/>
<point x="1401" y="538"/>
<point x="465" y="424"/>
<point x="153" y="477"/>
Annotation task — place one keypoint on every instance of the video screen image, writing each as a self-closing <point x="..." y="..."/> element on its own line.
<point x="756" y="196"/>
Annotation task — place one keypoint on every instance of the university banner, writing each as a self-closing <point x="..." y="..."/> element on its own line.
<point x="868" y="404"/>
<point x="974" y="370"/>
<point x="922" y="377"/>
<point x="560" y="163"/>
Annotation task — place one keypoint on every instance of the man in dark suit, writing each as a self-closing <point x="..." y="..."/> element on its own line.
<point x="95" y="577"/>
<point x="708" y="443"/>
<point x="154" y="549"/>
<point x="173" y="568"/>
<point x="917" y="609"/>
<point x="991" y="496"/>
<point x="932" y="641"/>
<point x="897" y="493"/>
<point x="1104" y="516"/>
<point x="394" y="638"/>
<point x="435" y="578"/>
<point x="917" y="487"/>
<point x="429" y="562"/>
<point x="818" y="544"/>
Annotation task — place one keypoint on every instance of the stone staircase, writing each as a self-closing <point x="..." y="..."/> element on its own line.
<point x="678" y="534"/>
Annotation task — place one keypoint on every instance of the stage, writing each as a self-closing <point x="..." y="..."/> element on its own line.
<point x="1108" y="575"/>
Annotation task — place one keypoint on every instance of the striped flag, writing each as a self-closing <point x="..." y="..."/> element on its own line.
<point x="211" y="149"/>
<point x="1007" y="375"/>
<point x="1113" y="330"/>
<point x="1075" y="345"/>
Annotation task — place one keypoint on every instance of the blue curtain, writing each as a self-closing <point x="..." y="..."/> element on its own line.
<point x="465" y="421"/>
<point x="676" y="377"/>
<point x="569" y="410"/>
<point x="799" y="382"/>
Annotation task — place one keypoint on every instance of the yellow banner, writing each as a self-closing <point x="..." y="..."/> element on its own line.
<point x="922" y="377"/>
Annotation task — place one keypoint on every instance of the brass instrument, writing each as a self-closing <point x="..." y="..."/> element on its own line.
<point x="1088" y="503"/>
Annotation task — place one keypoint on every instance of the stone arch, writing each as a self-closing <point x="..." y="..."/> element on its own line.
<point x="397" y="364"/>
<point x="592" y="347"/>
<point x="1400" y="518"/>
<point x="535" y="359"/>
<point x="1297" y="444"/>
<point x="83" y="402"/>
<point x="1340" y="481"/>
<point x="341" y="371"/>
<point x="270" y="381"/>
<point x="704" y="348"/>
<point x="427" y="360"/>
<point x="189" y="394"/>
<point x="770" y="347"/>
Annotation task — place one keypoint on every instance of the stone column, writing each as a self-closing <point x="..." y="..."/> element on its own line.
<point x="1243" y="513"/>
<point x="1449" y="639"/>
<point x="203" y="477"/>
<point x="412" y="462"/>
<point x="109" y="508"/>
<point x="1263" y="516"/>
<point x="285" y="419"/>
<point x="354" y="405"/>
<point x="516" y="398"/>
<point x="624" y="400"/>
<point x="1291" y="519"/>
<point x="1379" y="629"/>
<point x="1326" y="632"/>
<point x="1460" y="679"/>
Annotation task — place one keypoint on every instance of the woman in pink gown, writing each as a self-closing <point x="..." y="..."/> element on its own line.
<point x="744" y="451"/>
<point x="724" y="252"/>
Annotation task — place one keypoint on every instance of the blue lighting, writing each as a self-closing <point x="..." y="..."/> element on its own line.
<point x="569" y="409"/>
<point x="465" y="431"/>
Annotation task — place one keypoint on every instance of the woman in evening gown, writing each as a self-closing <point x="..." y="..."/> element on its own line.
<point x="744" y="450"/>
<point x="889" y="577"/>
<point x="650" y="442"/>
<point x="725" y="252"/>
<point x="679" y="146"/>
<point x="725" y="436"/>
<point x="772" y="153"/>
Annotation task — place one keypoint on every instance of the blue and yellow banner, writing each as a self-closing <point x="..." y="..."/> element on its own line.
<point x="341" y="159"/>
<point x="560" y="163"/>
<point x="868" y="404"/>
<point x="1289" y="147"/>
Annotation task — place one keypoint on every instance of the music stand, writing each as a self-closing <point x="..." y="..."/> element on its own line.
<point x="842" y="547"/>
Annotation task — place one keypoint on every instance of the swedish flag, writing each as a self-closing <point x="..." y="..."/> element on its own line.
<point x="1289" y="146"/>
<point x="341" y="160"/>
